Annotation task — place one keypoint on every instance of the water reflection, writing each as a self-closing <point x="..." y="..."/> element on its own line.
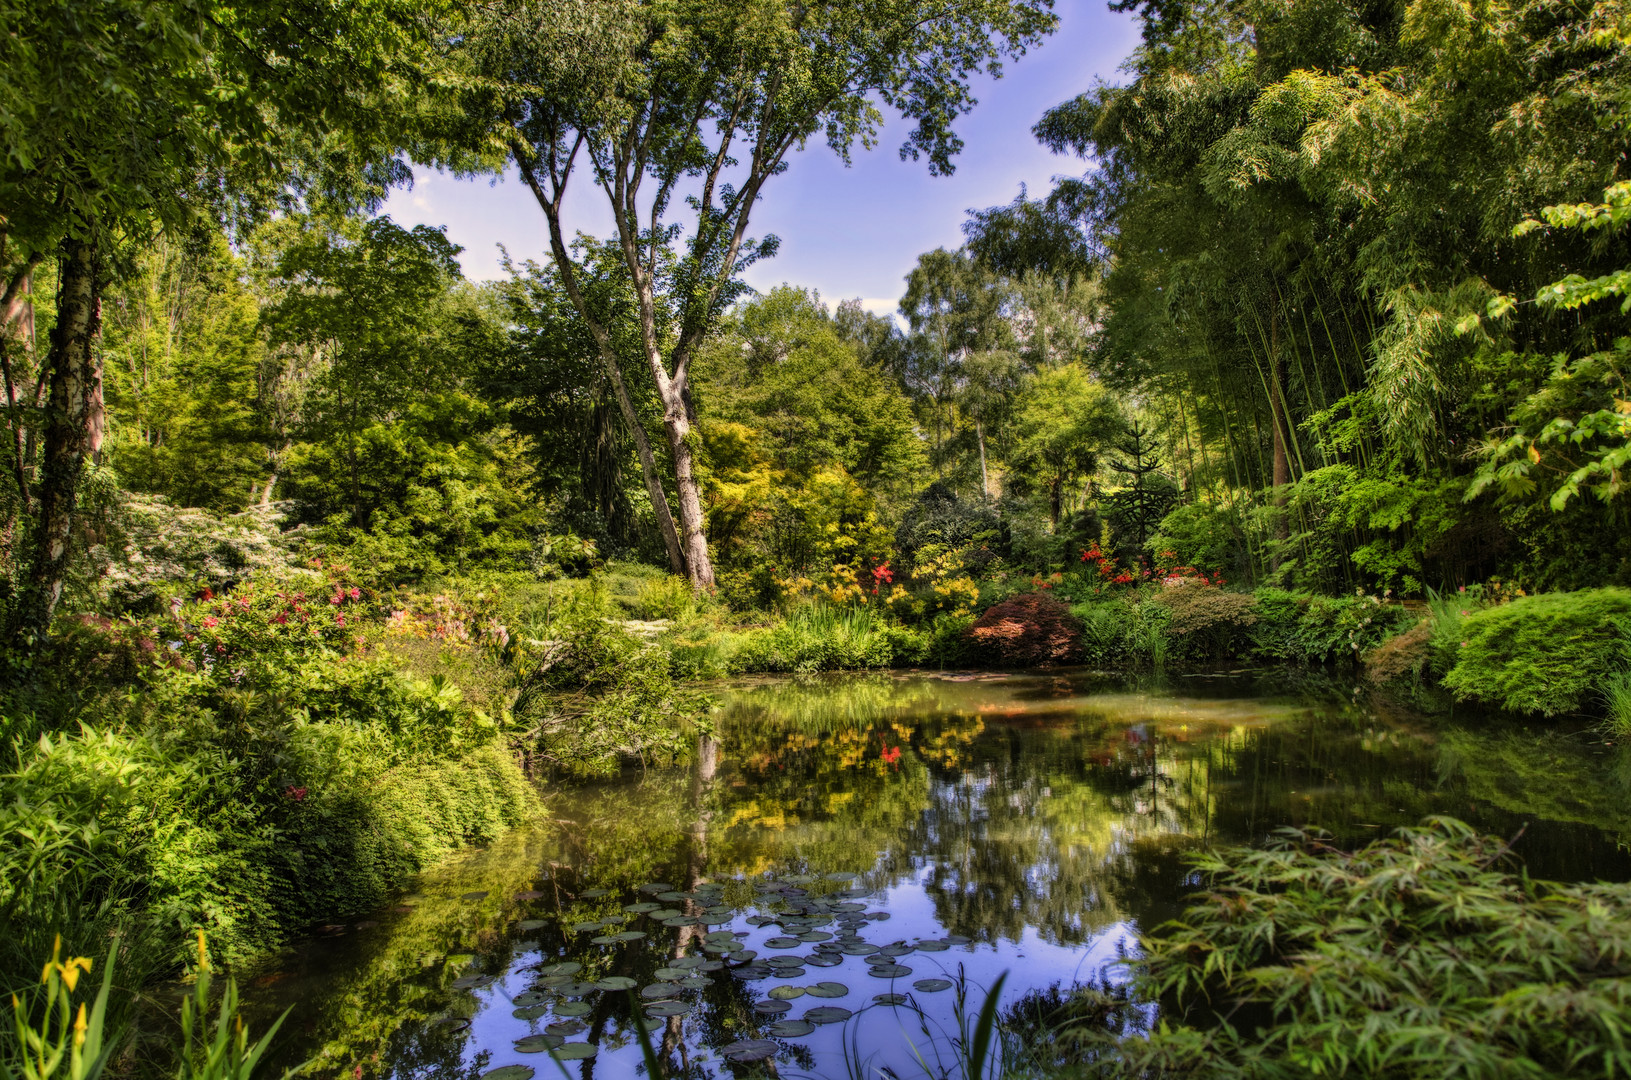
<point x="1033" y="824"/>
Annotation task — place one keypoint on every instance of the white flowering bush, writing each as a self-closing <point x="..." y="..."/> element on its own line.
<point x="154" y="551"/>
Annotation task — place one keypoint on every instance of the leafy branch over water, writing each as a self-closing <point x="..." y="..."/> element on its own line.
<point x="1418" y="956"/>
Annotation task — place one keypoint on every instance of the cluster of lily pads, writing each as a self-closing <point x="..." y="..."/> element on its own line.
<point x="824" y="914"/>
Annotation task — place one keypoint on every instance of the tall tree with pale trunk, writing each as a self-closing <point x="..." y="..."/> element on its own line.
<point x="687" y="108"/>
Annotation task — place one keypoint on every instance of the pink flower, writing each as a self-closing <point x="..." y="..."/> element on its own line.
<point x="211" y="621"/>
<point x="355" y="593"/>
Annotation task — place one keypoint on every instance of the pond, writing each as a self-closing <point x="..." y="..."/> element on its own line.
<point x="850" y="854"/>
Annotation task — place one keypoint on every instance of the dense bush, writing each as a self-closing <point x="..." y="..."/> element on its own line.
<point x="251" y="764"/>
<point x="1208" y="624"/>
<point x="1421" y="956"/>
<point x="1546" y="654"/>
<point x="1028" y="631"/>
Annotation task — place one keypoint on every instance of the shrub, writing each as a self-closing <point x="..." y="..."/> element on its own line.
<point x="1305" y="629"/>
<point x="1028" y="631"/>
<point x="1545" y="654"/>
<point x="1204" y="535"/>
<point x="1405" y="655"/>
<point x="1208" y="623"/>
<point x="1109" y="630"/>
<point x="1419" y="956"/>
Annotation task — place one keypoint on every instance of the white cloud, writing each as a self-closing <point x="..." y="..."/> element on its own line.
<point x="884" y="305"/>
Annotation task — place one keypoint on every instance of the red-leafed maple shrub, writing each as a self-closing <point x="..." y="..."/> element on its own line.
<point x="1028" y="631"/>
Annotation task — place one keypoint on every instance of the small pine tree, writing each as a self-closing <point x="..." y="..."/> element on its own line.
<point x="1136" y="511"/>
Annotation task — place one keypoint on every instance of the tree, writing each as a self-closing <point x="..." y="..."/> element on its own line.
<point x="122" y="118"/>
<point x="1150" y="494"/>
<point x="695" y="103"/>
<point x="1062" y="428"/>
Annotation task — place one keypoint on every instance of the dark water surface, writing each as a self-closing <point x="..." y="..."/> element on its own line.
<point x="968" y="825"/>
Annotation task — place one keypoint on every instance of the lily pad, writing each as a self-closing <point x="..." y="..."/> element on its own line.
<point x="858" y="948"/>
<point x="535" y="1044"/>
<point x="668" y="1008"/>
<point x="474" y="896"/>
<point x="889" y="999"/>
<point x="567" y="1027"/>
<point x="473" y="982"/>
<point x="574" y="1008"/>
<point x="798" y="879"/>
<point x="641" y="908"/>
<point x="616" y="982"/>
<point x="685" y="962"/>
<point x="604" y="939"/>
<point x="696" y="982"/>
<point x="530" y="894"/>
<point x="752" y="972"/>
<point x="828" y="1014"/>
<point x="786" y="993"/>
<point x="660" y="990"/>
<point x="594" y="894"/>
<point x="672" y="974"/>
<point x="788" y="973"/>
<point x="531" y="1012"/>
<point x="824" y="960"/>
<point x="849" y="905"/>
<point x="956" y="939"/>
<point x="746" y="1050"/>
<point x="588" y="927"/>
<point x="932" y="946"/>
<point x="652" y="887"/>
<point x="771" y="1008"/>
<point x="783" y="943"/>
<point x="889" y="971"/>
<point x="565" y="967"/>
<point x="815" y="935"/>
<point x="450" y="1025"/>
<point x="553" y="982"/>
<point x="509" y="1072"/>
<point x="900" y="948"/>
<point x="790" y="1029"/>
<point x="630" y="935"/>
<point x="715" y="965"/>
<point x="682" y="920"/>
<point x="577" y="989"/>
<point x="530" y="997"/>
<point x="671" y="897"/>
<point x="573" y="1052"/>
<point x="827" y="990"/>
<point x="531" y="924"/>
<point x="664" y="913"/>
<point x="932" y="986"/>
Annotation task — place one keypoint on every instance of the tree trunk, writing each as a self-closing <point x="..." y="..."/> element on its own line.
<point x="985" y="482"/>
<point x="1277" y="417"/>
<point x="73" y="426"/>
<point x="682" y="440"/>
<point x="648" y="465"/>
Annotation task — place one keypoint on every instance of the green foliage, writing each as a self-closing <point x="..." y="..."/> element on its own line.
<point x="1208" y="536"/>
<point x="1617" y="699"/>
<point x="53" y="1040"/>
<point x="1546" y="654"/>
<point x="1447" y="963"/>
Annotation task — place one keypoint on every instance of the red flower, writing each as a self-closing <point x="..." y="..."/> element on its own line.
<point x="355" y="593"/>
<point x="298" y="794"/>
<point x="211" y="621"/>
<point x="280" y="618"/>
<point x="890" y="755"/>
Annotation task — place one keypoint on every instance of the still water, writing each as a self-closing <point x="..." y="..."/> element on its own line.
<point x="850" y="853"/>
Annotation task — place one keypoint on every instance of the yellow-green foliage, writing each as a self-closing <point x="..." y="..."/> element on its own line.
<point x="1546" y="654"/>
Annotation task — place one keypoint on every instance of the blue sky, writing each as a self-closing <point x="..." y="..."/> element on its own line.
<point x="847" y="232"/>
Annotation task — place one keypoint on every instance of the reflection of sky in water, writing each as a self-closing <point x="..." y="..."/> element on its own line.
<point x="1045" y="817"/>
<point x="885" y="1037"/>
